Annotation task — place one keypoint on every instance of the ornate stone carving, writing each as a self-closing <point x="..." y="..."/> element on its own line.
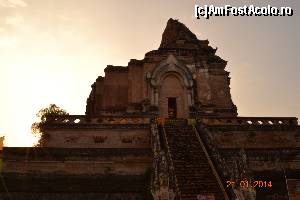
<point x="127" y="139"/>
<point x="71" y="139"/>
<point x="162" y="186"/>
<point x="171" y="64"/>
<point x="171" y="69"/>
<point x="100" y="139"/>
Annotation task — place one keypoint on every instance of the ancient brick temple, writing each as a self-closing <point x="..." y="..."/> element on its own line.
<point x="162" y="128"/>
<point x="182" y="78"/>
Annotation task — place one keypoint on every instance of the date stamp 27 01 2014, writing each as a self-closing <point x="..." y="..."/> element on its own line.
<point x="249" y="183"/>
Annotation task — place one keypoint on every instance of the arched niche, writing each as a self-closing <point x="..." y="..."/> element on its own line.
<point x="166" y="73"/>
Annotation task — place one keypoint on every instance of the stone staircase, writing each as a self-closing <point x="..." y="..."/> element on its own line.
<point x="193" y="172"/>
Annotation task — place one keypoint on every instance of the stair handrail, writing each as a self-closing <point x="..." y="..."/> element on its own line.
<point x="161" y="165"/>
<point x="216" y="157"/>
<point x="155" y="146"/>
<point x="170" y="161"/>
<point x="208" y="141"/>
<point x="210" y="162"/>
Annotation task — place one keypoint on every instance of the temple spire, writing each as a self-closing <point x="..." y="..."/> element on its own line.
<point x="177" y="35"/>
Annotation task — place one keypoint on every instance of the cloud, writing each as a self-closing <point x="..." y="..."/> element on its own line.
<point x="13" y="3"/>
<point x="8" y="41"/>
<point x="14" y="20"/>
<point x="12" y="26"/>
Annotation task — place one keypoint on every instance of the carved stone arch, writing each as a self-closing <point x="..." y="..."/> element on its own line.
<point x="171" y="64"/>
<point x="171" y="73"/>
<point x="167" y="68"/>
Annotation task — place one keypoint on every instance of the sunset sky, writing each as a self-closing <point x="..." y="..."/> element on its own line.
<point x="51" y="51"/>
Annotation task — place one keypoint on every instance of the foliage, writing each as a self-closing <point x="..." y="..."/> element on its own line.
<point x="38" y="127"/>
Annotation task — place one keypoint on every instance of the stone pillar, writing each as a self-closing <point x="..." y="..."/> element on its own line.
<point x="155" y="97"/>
<point x="192" y="97"/>
<point x="189" y="99"/>
<point x="148" y="81"/>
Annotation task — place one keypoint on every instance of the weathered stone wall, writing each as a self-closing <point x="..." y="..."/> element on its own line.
<point x="136" y="78"/>
<point x="294" y="188"/>
<point x="98" y="138"/>
<point x="77" y="161"/>
<point x="97" y="95"/>
<point x="256" y="136"/>
<point x="219" y="83"/>
<point x="115" y="92"/>
<point x="77" y="187"/>
<point x="266" y="159"/>
<point x="64" y="173"/>
<point x="203" y="86"/>
<point x="213" y="91"/>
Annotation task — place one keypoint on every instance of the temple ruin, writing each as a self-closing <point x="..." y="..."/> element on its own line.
<point x="163" y="128"/>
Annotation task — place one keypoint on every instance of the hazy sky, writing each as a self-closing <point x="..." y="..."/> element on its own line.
<point x="51" y="51"/>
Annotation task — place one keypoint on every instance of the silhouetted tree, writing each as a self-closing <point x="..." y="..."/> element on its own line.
<point x="38" y="128"/>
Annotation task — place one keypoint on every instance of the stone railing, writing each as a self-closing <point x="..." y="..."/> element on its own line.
<point x="83" y="119"/>
<point x="209" y="143"/>
<point x="225" y="171"/>
<point x="258" y="121"/>
<point x="162" y="179"/>
<point x="174" y="192"/>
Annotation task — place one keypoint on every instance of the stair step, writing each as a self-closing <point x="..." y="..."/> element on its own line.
<point x="193" y="172"/>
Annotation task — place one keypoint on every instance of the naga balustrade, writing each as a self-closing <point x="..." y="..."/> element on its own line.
<point x="83" y="119"/>
<point x="258" y="121"/>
